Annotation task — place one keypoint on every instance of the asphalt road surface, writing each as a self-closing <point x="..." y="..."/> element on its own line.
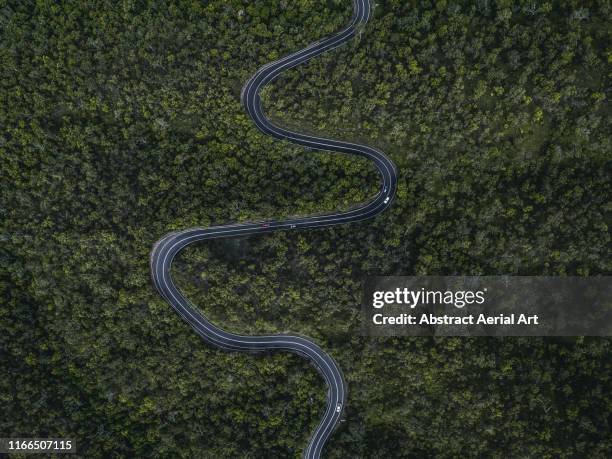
<point x="166" y="248"/>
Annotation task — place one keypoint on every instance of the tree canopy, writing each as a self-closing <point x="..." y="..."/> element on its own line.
<point x="121" y="121"/>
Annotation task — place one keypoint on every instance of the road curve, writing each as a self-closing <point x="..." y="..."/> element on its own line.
<point x="166" y="248"/>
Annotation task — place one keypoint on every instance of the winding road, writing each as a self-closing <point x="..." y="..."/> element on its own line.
<point x="170" y="245"/>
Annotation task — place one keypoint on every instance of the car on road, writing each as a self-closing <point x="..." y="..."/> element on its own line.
<point x="387" y="200"/>
<point x="265" y="225"/>
<point x="292" y="226"/>
<point x="338" y="408"/>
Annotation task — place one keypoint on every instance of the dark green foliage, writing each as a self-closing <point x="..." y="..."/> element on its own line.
<point x="120" y="122"/>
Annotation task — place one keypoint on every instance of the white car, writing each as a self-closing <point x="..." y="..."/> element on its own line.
<point x="292" y="226"/>
<point x="338" y="408"/>
<point x="387" y="200"/>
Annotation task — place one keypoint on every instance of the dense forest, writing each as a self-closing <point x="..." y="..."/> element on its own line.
<point x="121" y="121"/>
